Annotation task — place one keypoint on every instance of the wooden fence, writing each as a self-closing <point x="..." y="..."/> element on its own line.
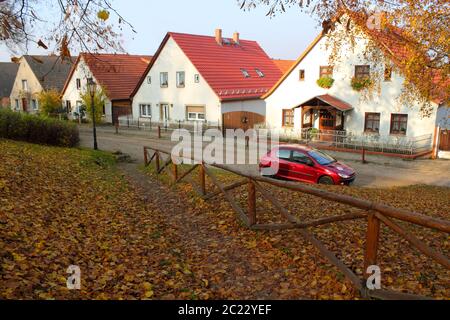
<point x="374" y="213"/>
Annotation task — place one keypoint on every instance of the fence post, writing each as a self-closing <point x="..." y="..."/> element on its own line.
<point x="251" y="202"/>
<point x="372" y="239"/>
<point x="179" y="124"/>
<point x="202" y="180"/>
<point x="117" y="126"/>
<point x="175" y="172"/>
<point x="364" y="155"/>
<point x="159" y="132"/>
<point x="157" y="161"/>
<point x="138" y="124"/>
<point x="145" y="156"/>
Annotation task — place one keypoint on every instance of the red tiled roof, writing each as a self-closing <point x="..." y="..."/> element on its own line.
<point x="330" y="100"/>
<point x="117" y="73"/>
<point x="284" y="65"/>
<point x="220" y="65"/>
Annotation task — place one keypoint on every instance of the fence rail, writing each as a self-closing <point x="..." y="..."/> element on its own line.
<point x="375" y="213"/>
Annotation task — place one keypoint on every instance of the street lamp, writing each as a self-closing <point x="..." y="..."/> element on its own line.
<point x="92" y="88"/>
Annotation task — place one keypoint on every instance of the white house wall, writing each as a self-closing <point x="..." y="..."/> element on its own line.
<point x="293" y="92"/>
<point x="171" y="60"/>
<point x="73" y="94"/>
<point x="256" y="106"/>
<point x="24" y="72"/>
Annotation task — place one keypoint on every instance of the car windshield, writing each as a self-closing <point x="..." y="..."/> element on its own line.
<point x="321" y="158"/>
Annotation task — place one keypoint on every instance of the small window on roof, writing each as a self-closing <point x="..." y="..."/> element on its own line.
<point x="245" y="73"/>
<point x="260" y="73"/>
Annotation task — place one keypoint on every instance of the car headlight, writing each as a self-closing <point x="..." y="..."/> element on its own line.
<point x="343" y="176"/>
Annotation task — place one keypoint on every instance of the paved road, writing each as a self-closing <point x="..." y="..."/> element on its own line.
<point x="383" y="172"/>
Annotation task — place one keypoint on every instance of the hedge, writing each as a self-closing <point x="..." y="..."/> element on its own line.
<point x="36" y="129"/>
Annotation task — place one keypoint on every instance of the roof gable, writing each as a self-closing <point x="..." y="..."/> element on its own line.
<point x="50" y="71"/>
<point x="390" y="40"/>
<point x="117" y="73"/>
<point x="8" y="72"/>
<point x="222" y="65"/>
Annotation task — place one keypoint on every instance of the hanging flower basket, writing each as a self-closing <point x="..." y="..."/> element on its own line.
<point x="325" y="82"/>
<point x="361" y="84"/>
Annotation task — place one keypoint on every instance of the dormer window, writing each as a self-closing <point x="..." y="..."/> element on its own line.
<point x="245" y="73"/>
<point x="260" y="73"/>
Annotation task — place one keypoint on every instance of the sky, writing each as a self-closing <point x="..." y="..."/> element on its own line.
<point x="282" y="37"/>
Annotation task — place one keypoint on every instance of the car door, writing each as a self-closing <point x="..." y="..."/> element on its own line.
<point x="301" y="167"/>
<point x="283" y="157"/>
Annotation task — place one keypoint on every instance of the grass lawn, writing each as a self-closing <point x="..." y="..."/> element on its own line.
<point x="62" y="207"/>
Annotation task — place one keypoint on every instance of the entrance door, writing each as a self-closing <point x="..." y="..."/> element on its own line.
<point x="444" y="140"/>
<point x="25" y="105"/>
<point x="327" y="120"/>
<point x="164" y="112"/>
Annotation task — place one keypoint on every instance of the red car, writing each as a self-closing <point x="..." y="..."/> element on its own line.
<point x="305" y="164"/>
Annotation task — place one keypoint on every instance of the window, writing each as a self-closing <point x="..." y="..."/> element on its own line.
<point x="195" y="113"/>
<point x="145" y="110"/>
<point x="245" y="73"/>
<point x="284" y="154"/>
<point x="24" y="85"/>
<point x="69" y="106"/>
<point x="302" y="158"/>
<point x="288" y="118"/>
<point x="17" y="106"/>
<point x="149" y="80"/>
<point x="78" y="106"/>
<point x="387" y="73"/>
<point x="181" y="79"/>
<point x="302" y="75"/>
<point x="362" y="72"/>
<point x="372" y="123"/>
<point x="164" y="79"/>
<point x="260" y="73"/>
<point x="197" y="78"/>
<point x="34" y="104"/>
<point x="321" y="158"/>
<point x="326" y="71"/>
<point x="399" y="123"/>
<point x="78" y="84"/>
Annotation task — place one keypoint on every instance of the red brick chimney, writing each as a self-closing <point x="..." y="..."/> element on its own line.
<point x="219" y="36"/>
<point x="236" y="37"/>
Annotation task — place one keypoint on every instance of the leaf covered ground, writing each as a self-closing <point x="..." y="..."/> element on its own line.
<point x="136" y="237"/>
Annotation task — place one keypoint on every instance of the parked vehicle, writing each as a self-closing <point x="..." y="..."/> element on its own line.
<point x="302" y="163"/>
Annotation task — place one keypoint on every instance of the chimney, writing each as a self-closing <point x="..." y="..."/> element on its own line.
<point x="219" y="36"/>
<point x="236" y="37"/>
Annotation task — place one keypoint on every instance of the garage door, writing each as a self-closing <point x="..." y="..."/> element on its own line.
<point x="242" y="120"/>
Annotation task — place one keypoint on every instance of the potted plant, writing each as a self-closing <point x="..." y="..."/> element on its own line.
<point x="325" y="82"/>
<point x="359" y="84"/>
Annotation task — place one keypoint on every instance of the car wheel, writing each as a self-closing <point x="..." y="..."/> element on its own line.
<point x="326" y="180"/>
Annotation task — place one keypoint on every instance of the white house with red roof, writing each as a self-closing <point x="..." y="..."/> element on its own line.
<point x="298" y="103"/>
<point x="206" y="78"/>
<point x="117" y="74"/>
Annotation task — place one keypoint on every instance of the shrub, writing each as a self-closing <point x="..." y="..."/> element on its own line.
<point x="50" y="102"/>
<point x="35" y="129"/>
<point x="99" y="102"/>
<point x="361" y="84"/>
<point x="325" y="82"/>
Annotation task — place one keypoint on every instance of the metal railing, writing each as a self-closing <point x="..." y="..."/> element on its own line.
<point x="129" y="122"/>
<point x="402" y="145"/>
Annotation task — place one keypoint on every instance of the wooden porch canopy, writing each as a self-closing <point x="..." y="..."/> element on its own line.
<point x="326" y="101"/>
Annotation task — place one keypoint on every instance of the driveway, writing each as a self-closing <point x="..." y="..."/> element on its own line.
<point x="380" y="172"/>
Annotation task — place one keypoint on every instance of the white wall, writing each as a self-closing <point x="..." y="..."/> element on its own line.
<point x="34" y="87"/>
<point x="171" y="60"/>
<point x="293" y="92"/>
<point x="73" y="94"/>
<point x="256" y="106"/>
